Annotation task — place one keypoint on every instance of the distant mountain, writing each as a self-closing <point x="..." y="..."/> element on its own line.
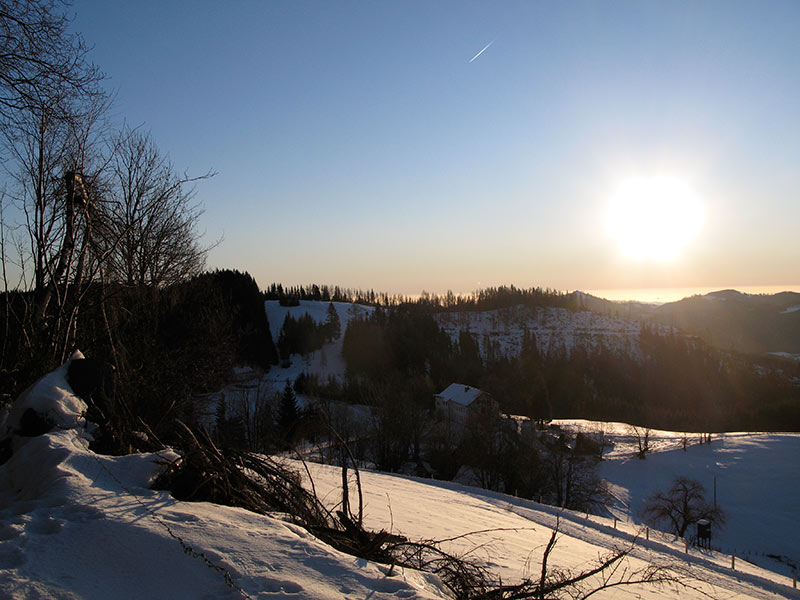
<point x="732" y="320"/>
<point x="627" y="309"/>
<point x="726" y="319"/>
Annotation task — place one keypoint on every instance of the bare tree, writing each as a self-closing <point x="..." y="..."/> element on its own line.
<point x="681" y="506"/>
<point x="152" y="220"/>
<point x="39" y="57"/>
<point x="50" y="105"/>
<point x="573" y="477"/>
<point x="53" y="166"/>
<point x="642" y="436"/>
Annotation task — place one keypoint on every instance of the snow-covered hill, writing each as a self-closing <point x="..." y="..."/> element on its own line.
<point x="77" y="525"/>
<point x="555" y="328"/>
<point x="328" y="360"/>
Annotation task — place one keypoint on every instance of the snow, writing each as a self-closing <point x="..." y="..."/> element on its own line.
<point x="756" y="482"/>
<point x="515" y="532"/>
<point x="327" y="361"/>
<point x="785" y="355"/>
<point x="51" y="397"/>
<point x="249" y="385"/>
<point x="791" y="309"/>
<point x="553" y="327"/>
<point x="74" y="524"/>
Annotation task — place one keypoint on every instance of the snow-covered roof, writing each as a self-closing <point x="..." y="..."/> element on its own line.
<point x="460" y="394"/>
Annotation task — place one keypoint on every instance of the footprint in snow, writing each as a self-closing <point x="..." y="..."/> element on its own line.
<point x="81" y="514"/>
<point x="11" y="557"/>
<point x="278" y="585"/>
<point x="392" y="586"/>
<point x="45" y="526"/>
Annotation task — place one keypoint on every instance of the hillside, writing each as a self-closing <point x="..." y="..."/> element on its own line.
<point x="745" y="322"/>
<point x="555" y="329"/>
<point x="754" y="484"/>
<point x="726" y="319"/>
<point x="324" y="362"/>
<point x="75" y="524"/>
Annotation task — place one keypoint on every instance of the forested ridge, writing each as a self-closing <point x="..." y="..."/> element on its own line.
<point x="678" y="382"/>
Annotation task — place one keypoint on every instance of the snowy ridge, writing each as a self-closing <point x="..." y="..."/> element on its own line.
<point x="316" y="309"/>
<point x="555" y="328"/>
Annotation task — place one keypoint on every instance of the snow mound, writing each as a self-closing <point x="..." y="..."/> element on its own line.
<point x="52" y="398"/>
<point x="74" y="524"/>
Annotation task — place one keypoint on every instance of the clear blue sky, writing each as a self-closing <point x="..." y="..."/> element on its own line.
<point x="356" y="144"/>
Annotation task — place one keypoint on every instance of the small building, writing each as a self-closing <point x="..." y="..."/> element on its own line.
<point x="457" y="400"/>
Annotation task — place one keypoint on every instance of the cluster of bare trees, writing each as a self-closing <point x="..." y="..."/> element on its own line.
<point x="84" y="205"/>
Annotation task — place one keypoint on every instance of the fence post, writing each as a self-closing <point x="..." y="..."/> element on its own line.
<point x="686" y="546"/>
<point x="733" y="562"/>
<point x="615" y="522"/>
<point x="647" y="533"/>
<point x="794" y="580"/>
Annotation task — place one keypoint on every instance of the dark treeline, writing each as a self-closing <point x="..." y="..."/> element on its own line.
<point x="675" y="383"/>
<point x="161" y="346"/>
<point x="484" y="299"/>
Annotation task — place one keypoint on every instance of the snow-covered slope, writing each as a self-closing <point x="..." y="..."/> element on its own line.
<point x="756" y="481"/>
<point x="77" y="525"/>
<point x="515" y="532"/>
<point x="555" y="328"/>
<point x="324" y="362"/>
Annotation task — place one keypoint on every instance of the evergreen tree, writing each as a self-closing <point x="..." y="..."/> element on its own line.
<point x="333" y="326"/>
<point x="229" y="427"/>
<point x="287" y="412"/>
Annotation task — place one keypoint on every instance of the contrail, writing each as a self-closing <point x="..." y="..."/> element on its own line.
<point x="485" y="48"/>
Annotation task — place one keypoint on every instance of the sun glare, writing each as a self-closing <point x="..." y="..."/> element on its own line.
<point x="654" y="217"/>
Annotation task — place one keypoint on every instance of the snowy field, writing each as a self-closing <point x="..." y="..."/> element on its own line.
<point x="325" y="362"/>
<point x="757" y="484"/>
<point x="77" y="525"/>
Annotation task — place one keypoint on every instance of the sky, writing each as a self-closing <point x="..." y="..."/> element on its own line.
<point x="357" y="143"/>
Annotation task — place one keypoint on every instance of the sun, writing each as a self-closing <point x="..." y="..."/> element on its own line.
<point x="654" y="218"/>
